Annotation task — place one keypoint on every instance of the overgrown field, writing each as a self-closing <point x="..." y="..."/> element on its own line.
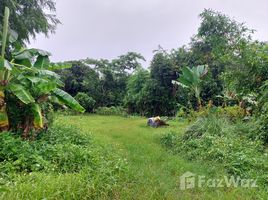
<point x="63" y="163"/>
<point x="108" y="157"/>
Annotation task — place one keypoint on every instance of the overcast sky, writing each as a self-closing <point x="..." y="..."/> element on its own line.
<point x="109" y="28"/>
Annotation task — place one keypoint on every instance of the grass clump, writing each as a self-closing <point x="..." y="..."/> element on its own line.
<point x="218" y="140"/>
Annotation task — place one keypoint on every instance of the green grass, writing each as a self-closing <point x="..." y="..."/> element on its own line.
<point x="152" y="172"/>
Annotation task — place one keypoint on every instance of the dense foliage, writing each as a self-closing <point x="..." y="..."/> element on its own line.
<point x="103" y="80"/>
<point x="30" y="17"/>
<point x="134" y="96"/>
<point x="86" y="101"/>
<point x="216" y="139"/>
<point x="27" y="85"/>
<point x="61" y="150"/>
<point x="236" y="68"/>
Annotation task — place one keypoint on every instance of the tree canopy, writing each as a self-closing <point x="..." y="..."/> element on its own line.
<point x="30" y="17"/>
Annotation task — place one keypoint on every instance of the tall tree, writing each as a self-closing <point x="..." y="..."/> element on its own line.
<point x="157" y="94"/>
<point x="217" y="44"/>
<point x="114" y="75"/>
<point x="133" y="99"/>
<point x="29" y="18"/>
<point x="217" y="40"/>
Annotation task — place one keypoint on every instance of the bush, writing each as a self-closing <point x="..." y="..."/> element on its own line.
<point x="86" y="101"/>
<point x="212" y="125"/>
<point x="61" y="149"/>
<point x="262" y="130"/>
<point x="111" y="111"/>
<point x="17" y="155"/>
<point x="262" y="114"/>
<point x="61" y="163"/>
<point x="170" y="140"/>
<point x="233" y="113"/>
<point x="216" y="139"/>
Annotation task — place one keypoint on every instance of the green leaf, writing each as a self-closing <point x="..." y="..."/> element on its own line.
<point x="30" y="54"/>
<point x="202" y="70"/>
<point x="68" y="100"/>
<point x="25" y="62"/>
<point x="2" y="63"/>
<point x="37" y="114"/>
<point x="21" y="93"/>
<point x="187" y="73"/>
<point x="17" y="45"/>
<point x="42" y="62"/>
<point x="48" y="73"/>
<point x="35" y="79"/>
<point x="55" y="100"/>
<point x="46" y="87"/>
<point x="5" y="64"/>
<point x="22" y="55"/>
<point x="8" y="65"/>
<point x="39" y="52"/>
<point x="13" y="36"/>
<point x="183" y="80"/>
<point x="180" y="84"/>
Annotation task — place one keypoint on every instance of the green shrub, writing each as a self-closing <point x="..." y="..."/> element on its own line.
<point x="86" y="101"/>
<point x="232" y="112"/>
<point x="17" y="155"/>
<point x="212" y="125"/>
<point x="111" y="111"/>
<point x="262" y="130"/>
<point x="262" y="114"/>
<point x="169" y="140"/>
<point x="61" y="149"/>
<point x="217" y="139"/>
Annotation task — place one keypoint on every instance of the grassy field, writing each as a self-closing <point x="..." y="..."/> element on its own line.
<point x="153" y="172"/>
<point x="124" y="161"/>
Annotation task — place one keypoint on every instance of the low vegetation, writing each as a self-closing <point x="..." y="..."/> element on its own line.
<point x="220" y="141"/>
<point x="62" y="163"/>
<point x="119" y="111"/>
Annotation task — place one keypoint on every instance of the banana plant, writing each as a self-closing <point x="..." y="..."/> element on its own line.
<point x="28" y="75"/>
<point x="192" y="79"/>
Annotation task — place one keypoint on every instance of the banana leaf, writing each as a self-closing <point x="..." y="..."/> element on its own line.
<point x="68" y="100"/>
<point x="38" y="118"/>
<point x="21" y="93"/>
<point x="42" y="62"/>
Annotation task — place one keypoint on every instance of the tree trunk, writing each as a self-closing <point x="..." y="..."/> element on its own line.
<point x="4" y="123"/>
<point x="26" y="128"/>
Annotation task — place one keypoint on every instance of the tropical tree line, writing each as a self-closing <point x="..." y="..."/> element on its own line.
<point x="222" y="65"/>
